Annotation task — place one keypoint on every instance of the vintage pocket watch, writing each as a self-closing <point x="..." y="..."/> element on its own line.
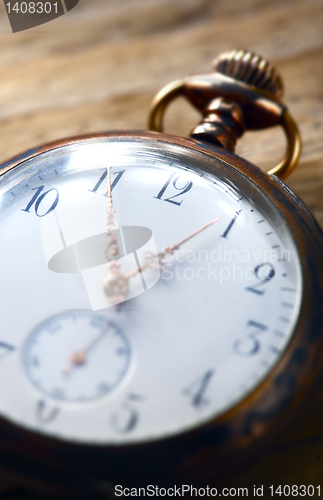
<point x="161" y="298"/>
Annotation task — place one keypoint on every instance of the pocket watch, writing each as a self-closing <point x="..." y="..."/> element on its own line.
<point x="160" y="296"/>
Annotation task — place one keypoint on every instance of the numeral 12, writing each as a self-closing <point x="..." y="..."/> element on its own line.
<point x="183" y="189"/>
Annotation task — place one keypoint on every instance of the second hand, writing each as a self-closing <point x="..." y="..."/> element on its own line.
<point x="79" y="357"/>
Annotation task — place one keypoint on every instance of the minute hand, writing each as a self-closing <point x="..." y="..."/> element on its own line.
<point x="180" y="243"/>
<point x="172" y="249"/>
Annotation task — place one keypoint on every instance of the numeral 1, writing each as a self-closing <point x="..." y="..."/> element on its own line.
<point x="228" y="229"/>
<point x="103" y="177"/>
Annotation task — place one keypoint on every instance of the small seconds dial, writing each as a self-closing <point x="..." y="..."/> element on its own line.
<point x="76" y="356"/>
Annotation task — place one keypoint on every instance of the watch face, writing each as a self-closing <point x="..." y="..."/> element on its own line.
<point x="161" y="341"/>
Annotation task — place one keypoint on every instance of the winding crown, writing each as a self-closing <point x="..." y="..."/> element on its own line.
<point x="251" y="69"/>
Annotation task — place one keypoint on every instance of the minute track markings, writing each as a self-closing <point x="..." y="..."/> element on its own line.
<point x="274" y="349"/>
<point x="284" y="320"/>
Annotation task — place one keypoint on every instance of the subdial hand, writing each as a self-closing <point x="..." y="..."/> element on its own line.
<point x="79" y="357"/>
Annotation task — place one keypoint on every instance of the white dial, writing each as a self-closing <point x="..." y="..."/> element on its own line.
<point x="76" y="356"/>
<point x="204" y="330"/>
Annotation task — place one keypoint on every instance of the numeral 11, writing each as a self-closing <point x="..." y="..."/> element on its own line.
<point x="118" y="176"/>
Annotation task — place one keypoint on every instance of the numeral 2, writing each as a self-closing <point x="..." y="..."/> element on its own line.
<point x="264" y="273"/>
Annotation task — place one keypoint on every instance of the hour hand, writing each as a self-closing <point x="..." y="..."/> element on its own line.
<point x="115" y="284"/>
<point x="112" y="249"/>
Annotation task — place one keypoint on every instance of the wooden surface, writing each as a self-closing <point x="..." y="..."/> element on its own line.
<point x="98" y="67"/>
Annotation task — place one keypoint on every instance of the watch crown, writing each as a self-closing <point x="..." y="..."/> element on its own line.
<point x="250" y="68"/>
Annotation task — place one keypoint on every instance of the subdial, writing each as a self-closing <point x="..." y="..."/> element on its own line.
<point x="77" y="356"/>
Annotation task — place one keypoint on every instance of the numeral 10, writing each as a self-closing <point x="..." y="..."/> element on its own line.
<point x="37" y="200"/>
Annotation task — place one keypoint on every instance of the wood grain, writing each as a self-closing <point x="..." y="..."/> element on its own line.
<point x="98" y="67"/>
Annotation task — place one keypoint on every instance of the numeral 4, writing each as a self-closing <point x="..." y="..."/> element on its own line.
<point x="196" y="390"/>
